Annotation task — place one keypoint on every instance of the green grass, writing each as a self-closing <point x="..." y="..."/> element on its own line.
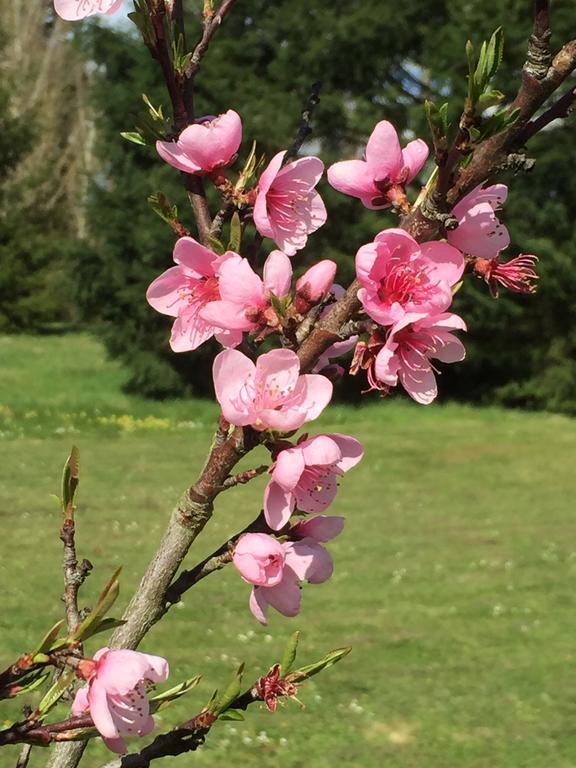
<point x="454" y="578"/>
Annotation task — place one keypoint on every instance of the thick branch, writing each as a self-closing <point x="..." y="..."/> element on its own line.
<point x="539" y="55"/>
<point x="562" y="107"/>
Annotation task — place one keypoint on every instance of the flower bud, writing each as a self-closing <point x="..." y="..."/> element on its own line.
<point x="315" y="284"/>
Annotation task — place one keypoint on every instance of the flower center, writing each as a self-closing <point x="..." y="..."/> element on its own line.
<point x="403" y="284"/>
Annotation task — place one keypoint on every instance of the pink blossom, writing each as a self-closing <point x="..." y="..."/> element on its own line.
<point x="271" y="394"/>
<point x="399" y="276"/>
<point x="245" y="296"/>
<point x="305" y="477"/>
<point x="204" y="146"/>
<point x="73" y="10"/>
<point x="479" y="232"/>
<point x="260" y="559"/>
<point x="116" y="693"/>
<point x="287" y="209"/>
<point x="316" y="282"/>
<point x="304" y="560"/>
<point x="379" y="180"/>
<point x="183" y="291"/>
<point x="411" y="344"/>
<point x="518" y="275"/>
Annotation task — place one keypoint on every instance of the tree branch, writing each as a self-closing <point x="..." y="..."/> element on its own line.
<point x="562" y="107"/>
<point x="305" y="128"/>
<point x="211" y="25"/>
<point x="539" y="54"/>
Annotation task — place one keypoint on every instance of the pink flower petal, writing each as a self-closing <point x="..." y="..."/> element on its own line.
<point x="278" y="274"/>
<point x="421" y="387"/>
<point x="239" y="283"/>
<point x="350" y="448"/>
<point x="80" y="703"/>
<point x="259" y="604"/>
<point x="319" y="391"/>
<point x="231" y="370"/>
<point x="383" y="153"/>
<point x="73" y="10"/>
<point x="100" y="711"/>
<point x="320" y="527"/>
<point x="288" y="468"/>
<point x="309" y="561"/>
<point x="285" y="597"/>
<point x="195" y="257"/>
<point x="321" y="450"/>
<point x="165" y="293"/>
<point x="446" y="262"/>
<point x="189" y="331"/>
<point x="213" y="143"/>
<point x="414" y="155"/>
<point x="278" y="505"/>
<point x="173" y="154"/>
<point x="354" y="178"/>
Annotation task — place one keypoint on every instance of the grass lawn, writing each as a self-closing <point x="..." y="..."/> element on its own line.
<point x="454" y="578"/>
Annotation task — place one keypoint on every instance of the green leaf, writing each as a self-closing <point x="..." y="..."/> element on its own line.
<point x="289" y="655"/>
<point x="134" y="137"/>
<point x="55" y="693"/>
<point x="235" y="233"/>
<point x="106" y="600"/>
<point x="70" y="479"/>
<point x="103" y="626"/>
<point x="231" y="693"/>
<point x="312" y="669"/>
<point x="164" y="699"/>
<point x="216" y="245"/>
<point x="49" y="637"/>
<point x="232" y="714"/>
<point x="490" y="99"/>
<point x="31" y="682"/>
<point x="494" y="53"/>
<point x="162" y="207"/>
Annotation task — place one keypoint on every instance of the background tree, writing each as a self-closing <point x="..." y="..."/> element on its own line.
<point x="45" y="152"/>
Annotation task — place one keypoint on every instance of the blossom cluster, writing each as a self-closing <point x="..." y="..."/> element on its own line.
<point x="405" y="326"/>
<point x="405" y="290"/>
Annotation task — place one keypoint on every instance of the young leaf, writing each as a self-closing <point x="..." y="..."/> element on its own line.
<point x="70" y="479"/>
<point x="134" y="136"/>
<point x="494" y="53"/>
<point x="231" y="693"/>
<point x="312" y="669"/>
<point x="289" y="654"/>
<point x="49" y="637"/>
<point x="55" y="692"/>
<point x="216" y="245"/>
<point x="235" y="233"/>
<point x="106" y="600"/>
<point x="232" y="714"/>
<point x="164" y="699"/>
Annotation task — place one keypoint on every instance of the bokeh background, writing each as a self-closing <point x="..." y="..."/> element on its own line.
<point x="454" y="578"/>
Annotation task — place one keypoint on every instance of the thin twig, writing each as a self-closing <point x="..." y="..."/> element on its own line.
<point x="211" y="25"/>
<point x="305" y="128"/>
<point x="214" y="562"/>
